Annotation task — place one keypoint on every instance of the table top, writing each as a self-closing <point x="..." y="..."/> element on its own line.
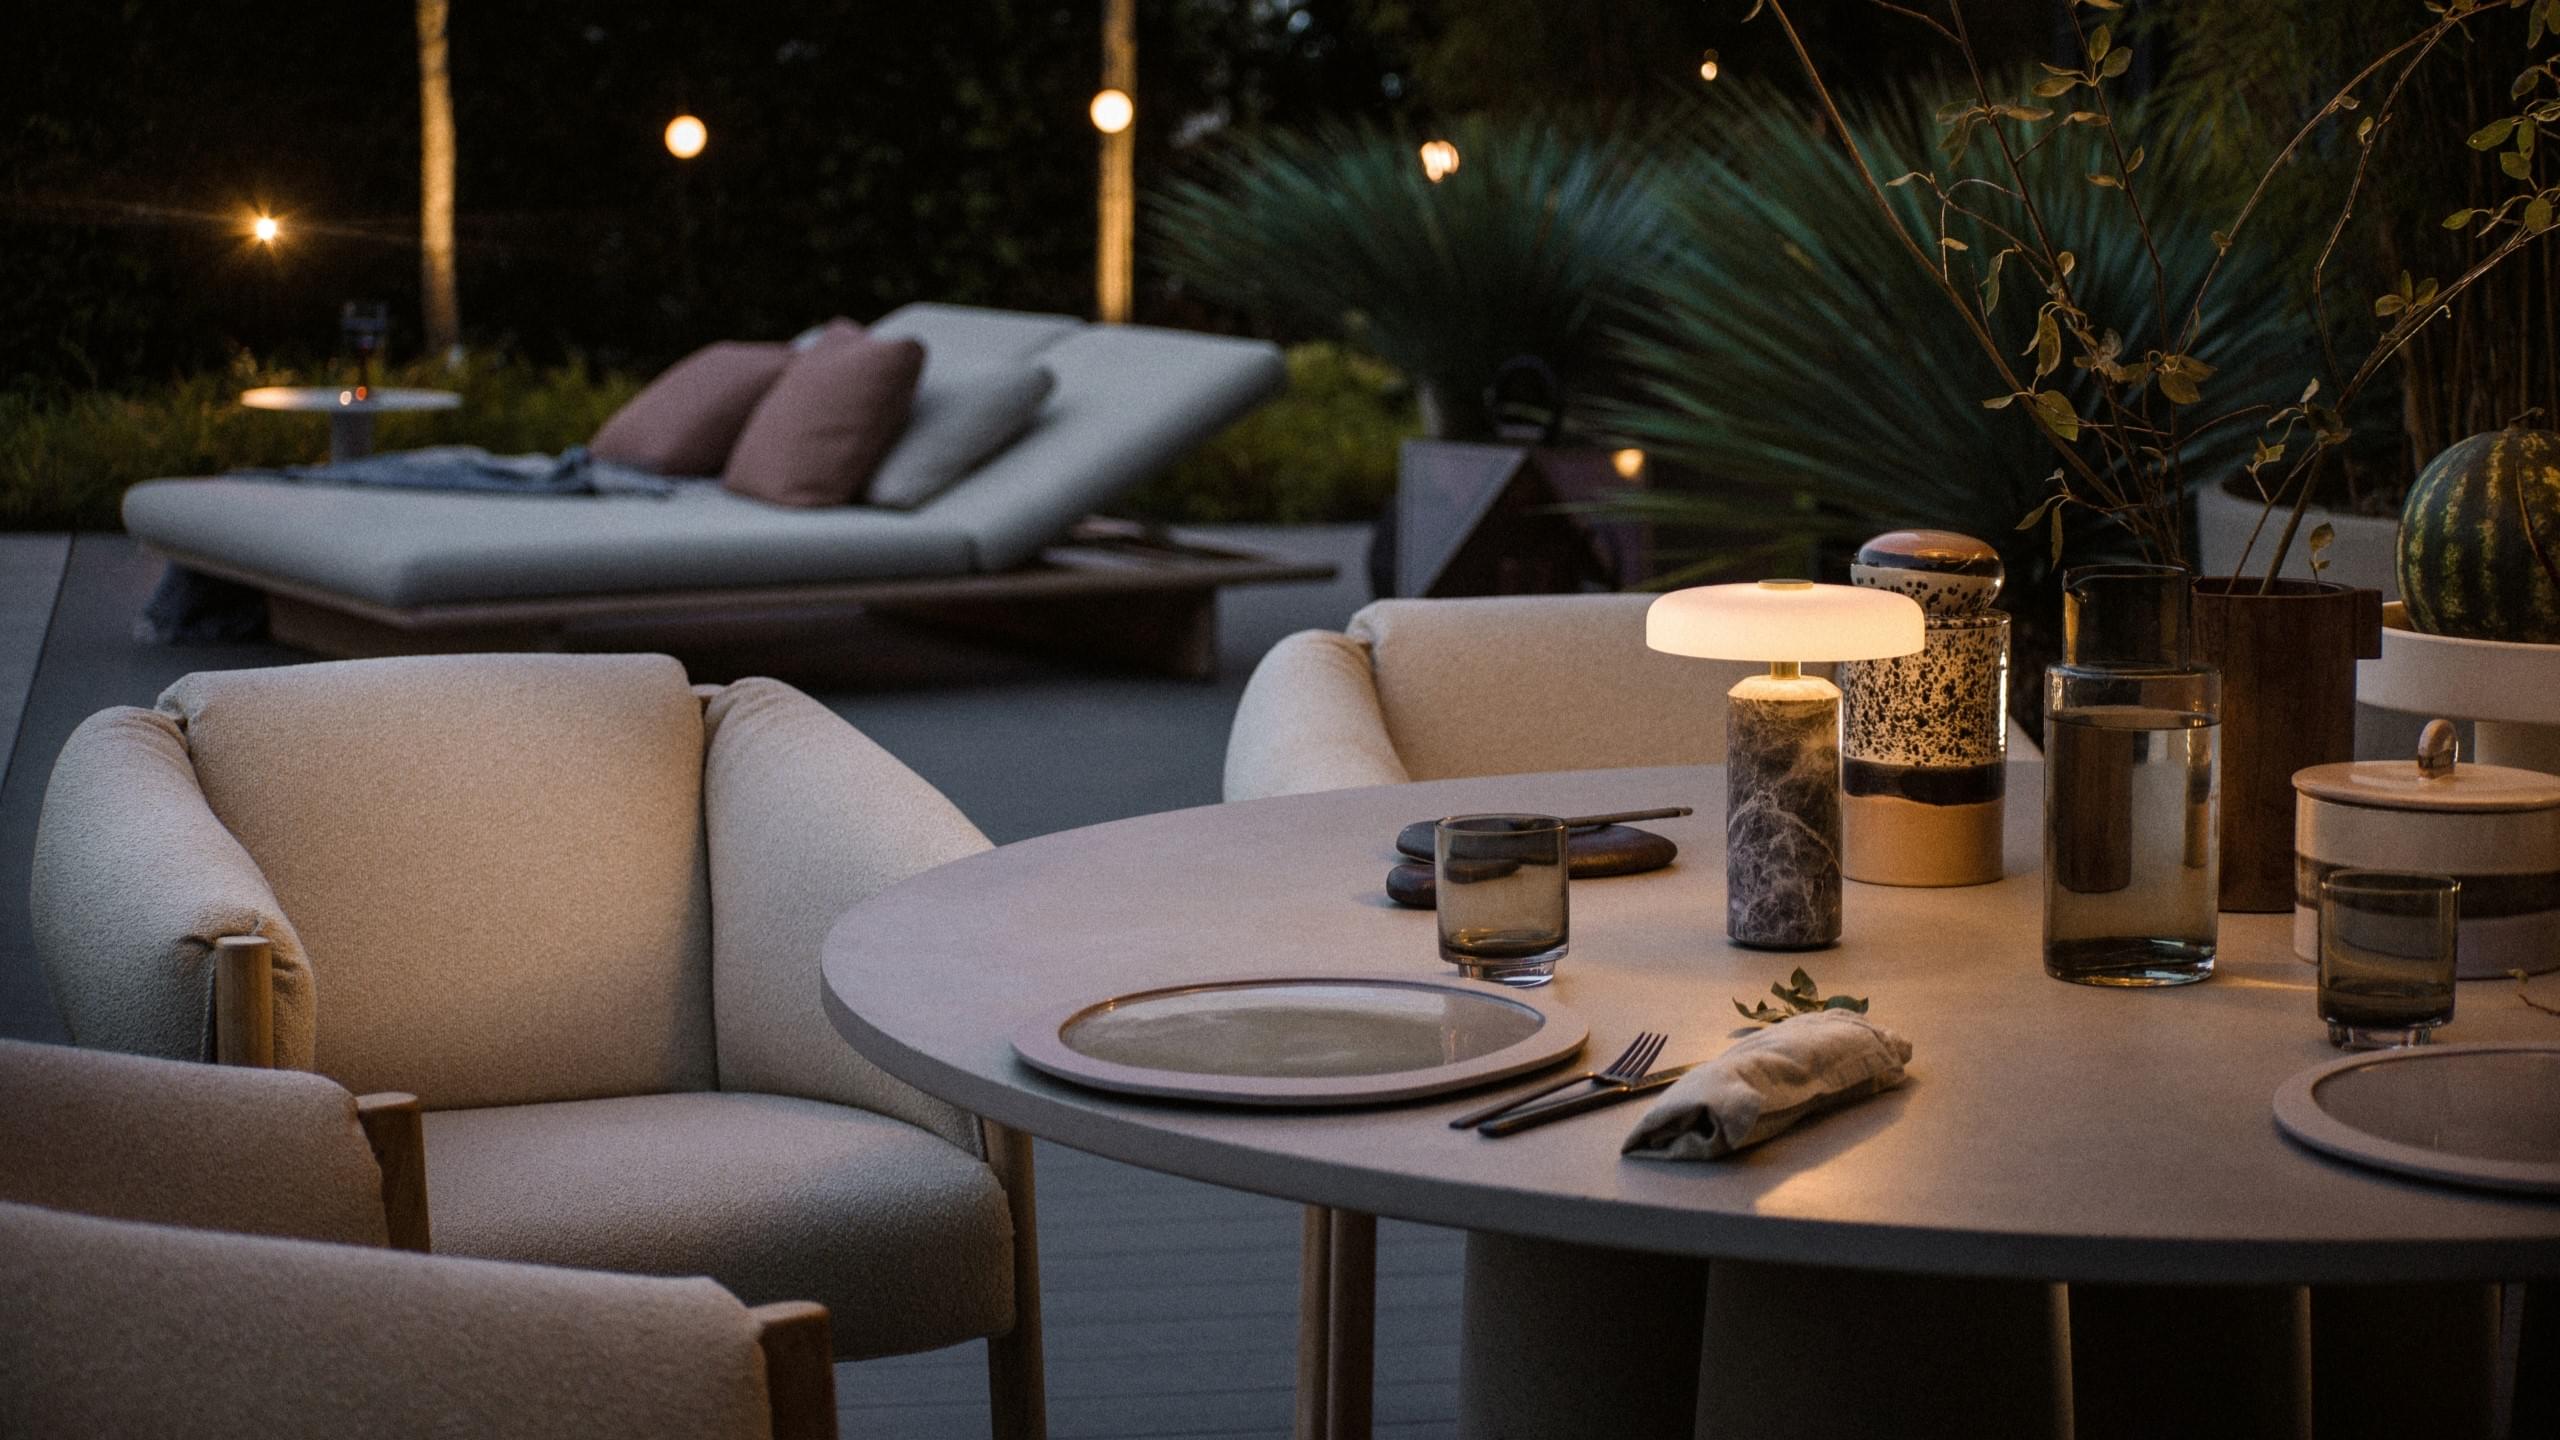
<point x="337" y="399"/>
<point x="2047" y="1130"/>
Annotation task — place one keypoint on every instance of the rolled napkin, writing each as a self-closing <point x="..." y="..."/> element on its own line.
<point x="1763" y="1083"/>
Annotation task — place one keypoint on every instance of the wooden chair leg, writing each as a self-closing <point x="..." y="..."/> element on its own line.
<point x="1017" y="1379"/>
<point x="1315" y="1324"/>
<point x="395" y="1129"/>
<point x="1353" y="1322"/>
<point x="799" y="1368"/>
<point x="244" y="1007"/>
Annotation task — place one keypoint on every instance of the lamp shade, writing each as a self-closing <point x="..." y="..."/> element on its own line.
<point x="1782" y="620"/>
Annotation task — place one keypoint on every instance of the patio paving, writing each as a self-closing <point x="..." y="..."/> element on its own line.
<point x="1171" y="1306"/>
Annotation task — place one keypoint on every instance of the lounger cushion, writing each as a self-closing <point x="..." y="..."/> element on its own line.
<point x="821" y="431"/>
<point x="902" y="1236"/>
<point x="685" y="421"/>
<point x="962" y="337"/>
<point x="516" y="911"/>
<point x="411" y="548"/>
<point x="1129" y="400"/>
<point x="962" y="417"/>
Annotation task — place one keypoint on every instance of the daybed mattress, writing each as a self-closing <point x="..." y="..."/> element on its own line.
<point x="407" y="548"/>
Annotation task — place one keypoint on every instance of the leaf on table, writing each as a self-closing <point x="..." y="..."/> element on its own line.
<point x="1798" y="995"/>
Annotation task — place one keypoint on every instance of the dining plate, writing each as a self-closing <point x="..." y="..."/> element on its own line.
<point x="2480" y="1114"/>
<point x="1301" y="1040"/>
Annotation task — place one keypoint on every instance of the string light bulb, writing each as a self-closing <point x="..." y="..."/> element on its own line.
<point x="264" y="229"/>
<point x="1710" y="67"/>
<point x="1112" y="110"/>
<point x="1439" y="160"/>
<point x="686" y="135"/>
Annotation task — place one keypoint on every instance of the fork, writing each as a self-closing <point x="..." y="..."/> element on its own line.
<point x="1627" y="1069"/>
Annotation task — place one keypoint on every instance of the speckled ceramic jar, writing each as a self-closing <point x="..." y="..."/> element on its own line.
<point x="1924" y="739"/>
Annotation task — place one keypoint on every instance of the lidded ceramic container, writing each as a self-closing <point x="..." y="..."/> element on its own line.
<point x="1924" y="738"/>
<point x="2494" y="828"/>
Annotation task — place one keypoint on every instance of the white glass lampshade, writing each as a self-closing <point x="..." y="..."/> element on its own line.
<point x="1782" y="620"/>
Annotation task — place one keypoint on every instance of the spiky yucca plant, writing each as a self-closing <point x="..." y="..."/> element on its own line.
<point x="1522" y="251"/>
<point x="1792" y="358"/>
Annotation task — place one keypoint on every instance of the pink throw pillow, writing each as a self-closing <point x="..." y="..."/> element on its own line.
<point x="686" y="421"/>
<point x="824" y="427"/>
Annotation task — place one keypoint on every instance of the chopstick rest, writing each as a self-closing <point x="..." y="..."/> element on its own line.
<point x="1764" y="1083"/>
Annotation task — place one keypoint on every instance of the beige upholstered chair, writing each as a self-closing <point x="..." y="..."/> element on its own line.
<point x="1439" y="689"/>
<point x="575" y="907"/>
<point x="138" y="1330"/>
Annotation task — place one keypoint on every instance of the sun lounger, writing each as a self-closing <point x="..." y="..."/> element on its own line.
<point x="365" y="571"/>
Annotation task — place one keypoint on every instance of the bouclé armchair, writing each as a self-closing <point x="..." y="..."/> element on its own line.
<point x="573" y="905"/>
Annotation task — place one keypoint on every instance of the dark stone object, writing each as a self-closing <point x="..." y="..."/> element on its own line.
<point x="1589" y="855"/>
<point x="1925" y="784"/>
<point x="1782" y="823"/>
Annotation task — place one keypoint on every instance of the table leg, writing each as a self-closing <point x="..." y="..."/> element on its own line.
<point x="2202" y="1362"/>
<point x="1795" y="1352"/>
<point x="2537" y="1398"/>
<point x="1353" y="1322"/>
<point x="1315" y="1323"/>
<point x="350" y="435"/>
<point x="1577" y="1342"/>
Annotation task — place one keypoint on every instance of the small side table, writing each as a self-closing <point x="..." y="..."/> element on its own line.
<point x="350" y="417"/>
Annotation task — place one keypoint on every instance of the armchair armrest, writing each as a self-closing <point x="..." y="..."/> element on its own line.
<point x="267" y="1152"/>
<point x="804" y="816"/>
<point x="135" y="881"/>
<point x="136" y="1329"/>
<point x="1310" y="720"/>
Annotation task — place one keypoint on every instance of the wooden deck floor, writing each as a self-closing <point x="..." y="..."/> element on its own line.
<point x="1172" y="1311"/>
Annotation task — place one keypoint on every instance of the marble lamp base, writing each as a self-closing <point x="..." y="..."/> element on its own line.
<point x="1782" y="813"/>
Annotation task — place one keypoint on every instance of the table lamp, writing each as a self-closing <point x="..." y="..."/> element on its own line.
<point x="1782" y="738"/>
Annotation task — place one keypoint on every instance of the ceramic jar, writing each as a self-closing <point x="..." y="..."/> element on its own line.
<point x="1924" y="738"/>
<point x="2495" y="829"/>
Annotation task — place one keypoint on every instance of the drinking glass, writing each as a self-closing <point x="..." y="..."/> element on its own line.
<point x="1501" y="890"/>
<point x="2386" y="956"/>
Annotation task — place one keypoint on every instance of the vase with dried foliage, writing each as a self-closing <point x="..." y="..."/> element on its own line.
<point x="2288" y="648"/>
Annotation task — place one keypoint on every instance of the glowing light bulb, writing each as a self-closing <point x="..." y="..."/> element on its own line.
<point x="1629" y="463"/>
<point x="1709" y="68"/>
<point x="1439" y="160"/>
<point x="1112" y="110"/>
<point x="686" y="136"/>
<point x="265" y="229"/>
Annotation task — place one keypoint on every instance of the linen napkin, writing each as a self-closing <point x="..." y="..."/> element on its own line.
<point x="1764" y="1083"/>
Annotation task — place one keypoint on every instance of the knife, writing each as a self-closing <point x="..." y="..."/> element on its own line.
<point x="1519" y="1120"/>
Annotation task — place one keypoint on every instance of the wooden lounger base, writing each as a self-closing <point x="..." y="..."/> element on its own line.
<point x="1113" y="592"/>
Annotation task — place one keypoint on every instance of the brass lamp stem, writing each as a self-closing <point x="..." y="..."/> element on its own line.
<point x="1785" y="669"/>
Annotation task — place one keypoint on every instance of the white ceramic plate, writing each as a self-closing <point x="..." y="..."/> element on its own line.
<point x="1302" y="1040"/>
<point x="2480" y="1114"/>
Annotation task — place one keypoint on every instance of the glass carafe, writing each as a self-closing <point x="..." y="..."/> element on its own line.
<point x="2132" y="749"/>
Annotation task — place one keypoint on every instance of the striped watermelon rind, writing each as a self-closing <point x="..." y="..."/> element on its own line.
<point x="2479" y="552"/>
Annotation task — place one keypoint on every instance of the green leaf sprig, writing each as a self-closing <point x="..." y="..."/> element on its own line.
<point x="1800" y="996"/>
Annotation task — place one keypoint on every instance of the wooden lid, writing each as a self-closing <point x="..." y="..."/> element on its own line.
<point x="2401" y="785"/>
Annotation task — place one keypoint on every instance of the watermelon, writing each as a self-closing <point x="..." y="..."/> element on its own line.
<point x="2480" y="540"/>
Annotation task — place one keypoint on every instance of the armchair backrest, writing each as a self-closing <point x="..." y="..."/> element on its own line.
<point x="1509" y="684"/>
<point x="494" y="864"/>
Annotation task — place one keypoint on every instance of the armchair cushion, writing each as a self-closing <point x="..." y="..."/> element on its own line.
<point x="1309" y="720"/>
<point x="1510" y="684"/>
<point x="142" y="1331"/>
<point x="900" y="1235"/>
<point x="134" y="878"/>
<point x="497" y="861"/>
<point x="266" y="1152"/>
<point x="805" y="817"/>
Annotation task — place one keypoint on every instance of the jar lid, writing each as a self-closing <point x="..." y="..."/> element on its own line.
<point x="2431" y="782"/>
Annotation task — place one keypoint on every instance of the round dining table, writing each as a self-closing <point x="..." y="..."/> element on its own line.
<point x="350" y="409"/>
<point x="2047" y="1131"/>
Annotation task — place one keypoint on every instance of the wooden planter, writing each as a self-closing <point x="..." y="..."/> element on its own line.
<point x="2288" y="661"/>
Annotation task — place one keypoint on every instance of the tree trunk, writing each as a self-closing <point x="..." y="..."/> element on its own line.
<point x="435" y="183"/>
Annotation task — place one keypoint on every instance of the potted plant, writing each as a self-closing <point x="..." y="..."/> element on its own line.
<point x="2287" y="648"/>
<point x="1483" y="270"/>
